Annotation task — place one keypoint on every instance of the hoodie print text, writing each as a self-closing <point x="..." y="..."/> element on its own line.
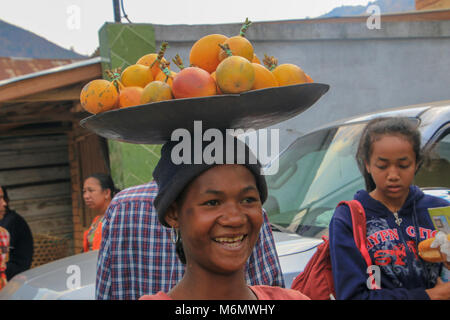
<point x="395" y="249"/>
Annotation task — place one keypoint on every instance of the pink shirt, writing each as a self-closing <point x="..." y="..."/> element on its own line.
<point x="262" y="292"/>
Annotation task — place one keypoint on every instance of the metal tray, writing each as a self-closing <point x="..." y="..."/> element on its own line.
<point x="154" y="123"/>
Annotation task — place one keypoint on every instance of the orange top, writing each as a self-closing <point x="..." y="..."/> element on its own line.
<point x="262" y="292"/>
<point x="96" y="230"/>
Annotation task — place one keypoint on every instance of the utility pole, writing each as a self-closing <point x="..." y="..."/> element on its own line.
<point x="116" y="7"/>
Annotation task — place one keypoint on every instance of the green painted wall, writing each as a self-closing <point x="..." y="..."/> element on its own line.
<point x="132" y="164"/>
<point x="121" y="45"/>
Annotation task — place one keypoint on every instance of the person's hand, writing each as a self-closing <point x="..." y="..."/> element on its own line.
<point x="442" y="242"/>
<point x="446" y="261"/>
<point x="441" y="291"/>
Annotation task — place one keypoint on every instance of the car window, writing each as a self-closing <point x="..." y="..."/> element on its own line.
<point x="315" y="173"/>
<point x="435" y="170"/>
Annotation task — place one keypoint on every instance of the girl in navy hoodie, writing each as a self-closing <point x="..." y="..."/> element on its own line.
<point x="397" y="220"/>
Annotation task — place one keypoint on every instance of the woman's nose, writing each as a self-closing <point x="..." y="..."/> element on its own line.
<point x="393" y="173"/>
<point x="232" y="215"/>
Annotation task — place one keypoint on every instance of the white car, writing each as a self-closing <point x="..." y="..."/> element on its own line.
<point x="315" y="172"/>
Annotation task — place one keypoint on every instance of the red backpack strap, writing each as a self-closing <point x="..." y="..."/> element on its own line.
<point x="359" y="229"/>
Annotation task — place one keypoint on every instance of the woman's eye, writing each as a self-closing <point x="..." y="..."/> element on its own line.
<point x="249" y="200"/>
<point x="211" y="203"/>
<point x="381" y="167"/>
<point x="404" y="166"/>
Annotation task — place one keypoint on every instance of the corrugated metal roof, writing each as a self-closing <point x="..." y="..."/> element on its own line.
<point x="11" y="67"/>
<point x="60" y="68"/>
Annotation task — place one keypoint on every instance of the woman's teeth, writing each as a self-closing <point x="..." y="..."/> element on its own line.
<point x="235" y="240"/>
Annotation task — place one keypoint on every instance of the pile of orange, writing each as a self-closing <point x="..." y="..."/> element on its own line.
<point x="218" y="65"/>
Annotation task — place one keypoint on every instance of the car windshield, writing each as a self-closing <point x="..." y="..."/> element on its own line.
<point x="316" y="172"/>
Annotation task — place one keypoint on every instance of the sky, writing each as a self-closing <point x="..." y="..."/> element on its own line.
<point x="75" y="23"/>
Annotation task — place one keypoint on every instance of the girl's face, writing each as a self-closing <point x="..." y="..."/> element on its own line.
<point x="219" y="219"/>
<point x="392" y="166"/>
<point x="93" y="194"/>
<point x="3" y="204"/>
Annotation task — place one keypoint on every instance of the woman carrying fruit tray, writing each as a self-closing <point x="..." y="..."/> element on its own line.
<point x="215" y="213"/>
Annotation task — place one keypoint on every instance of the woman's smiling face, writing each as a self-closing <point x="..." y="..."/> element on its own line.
<point x="219" y="219"/>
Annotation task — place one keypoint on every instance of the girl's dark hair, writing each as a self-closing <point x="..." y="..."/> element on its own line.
<point x="106" y="182"/>
<point x="385" y="126"/>
<point x="5" y="197"/>
<point x="5" y="194"/>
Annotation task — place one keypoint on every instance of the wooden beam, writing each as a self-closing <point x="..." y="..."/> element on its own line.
<point x="34" y="175"/>
<point x="60" y="94"/>
<point x="46" y="82"/>
<point x="7" y="130"/>
<point x="21" y="120"/>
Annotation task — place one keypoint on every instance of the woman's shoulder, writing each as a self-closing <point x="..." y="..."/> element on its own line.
<point x="264" y="292"/>
<point x="158" y="296"/>
<point x="97" y="219"/>
<point x="342" y="212"/>
<point x="431" y="201"/>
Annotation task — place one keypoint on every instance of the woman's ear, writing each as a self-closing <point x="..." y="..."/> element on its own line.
<point x="172" y="216"/>
<point x="366" y="164"/>
<point x="108" y="193"/>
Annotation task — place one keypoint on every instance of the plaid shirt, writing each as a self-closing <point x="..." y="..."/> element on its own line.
<point x="137" y="256"/>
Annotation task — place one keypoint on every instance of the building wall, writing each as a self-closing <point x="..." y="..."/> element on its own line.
<point x="404" y="62"/>
<point x="35" y="170"/>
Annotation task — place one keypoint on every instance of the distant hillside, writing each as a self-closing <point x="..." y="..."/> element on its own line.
<point x="386" y="6"/>
<point x="18" y="42"/>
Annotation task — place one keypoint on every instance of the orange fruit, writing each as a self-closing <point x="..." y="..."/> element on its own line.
<point x="148" y="60"/>
<point x="310" y="80"/>
<point x="98" y="96"/>
<point x="204" y="53"/>
<point x="136" y="75"/>
<point x="239" y="46"/>
<point x="130" y="96"/>
<point x="213" y="75"/>
<point x="156" y="91"/>
<point x="235" y="74"/>
<point x="256" y="59"/>
<point x="161" y="76"/>
<point x="263" y="77"/>
<point x="193" y="82"/>
<point x="288" y="74"/>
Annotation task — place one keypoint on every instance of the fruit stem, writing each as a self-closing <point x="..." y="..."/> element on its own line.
<point x="164" y="68"/>
<point x="114" y="75"/>
<point x="161" y="52"/>
<point x="270" y="62"/>
<point x="244" y="28"/>
<point x="179" y="63"/>
<point x="225" y="47"/>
